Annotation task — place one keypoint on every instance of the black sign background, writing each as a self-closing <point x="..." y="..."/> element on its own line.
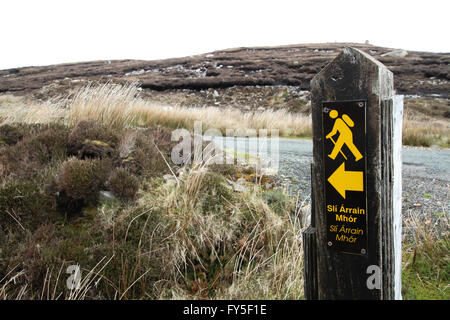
<point x="356" y="110"/>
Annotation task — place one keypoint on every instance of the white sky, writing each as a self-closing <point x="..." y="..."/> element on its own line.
<point x="46" y="32"/>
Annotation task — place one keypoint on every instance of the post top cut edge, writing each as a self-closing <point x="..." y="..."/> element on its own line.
<point x="351" y="54"/>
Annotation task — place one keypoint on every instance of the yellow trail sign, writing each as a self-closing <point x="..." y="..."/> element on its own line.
<point x="344" y="181"/>
<point x="344" y="154"/>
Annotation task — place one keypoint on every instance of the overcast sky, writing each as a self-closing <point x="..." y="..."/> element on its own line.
<point x="43" y="32"/>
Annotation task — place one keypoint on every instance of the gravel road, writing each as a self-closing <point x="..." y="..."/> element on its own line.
<point x="426" y="173"/>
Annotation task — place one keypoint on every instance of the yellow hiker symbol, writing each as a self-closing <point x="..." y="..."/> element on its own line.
<point x="345" y="136"/>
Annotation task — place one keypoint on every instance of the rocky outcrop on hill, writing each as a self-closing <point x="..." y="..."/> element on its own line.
<point x="416" y="73"/>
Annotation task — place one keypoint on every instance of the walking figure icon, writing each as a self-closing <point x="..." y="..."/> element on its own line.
<point x="345" y="136"/>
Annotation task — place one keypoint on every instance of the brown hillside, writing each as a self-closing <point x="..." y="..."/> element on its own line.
<point x="421" y="73"/>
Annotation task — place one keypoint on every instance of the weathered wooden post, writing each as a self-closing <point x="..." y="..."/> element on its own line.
<point x="353" y="247"/>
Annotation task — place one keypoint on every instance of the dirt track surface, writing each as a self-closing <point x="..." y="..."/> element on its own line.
<point x="420" y="73"/>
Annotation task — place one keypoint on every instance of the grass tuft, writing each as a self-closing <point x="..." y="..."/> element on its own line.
<point x="426" y="257"/>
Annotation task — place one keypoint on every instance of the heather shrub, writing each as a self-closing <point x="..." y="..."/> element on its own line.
<point x="277" y="200"/>
<point x="162" y="138"/>
<point x="123" y="184"/>
<point x="34" y="253"/>
<point x="9" y="135"/>
<point x="22" y="205"/>
<point x="90" y="139"/>
<point x="214" y="194"/>
<point x="80" y="182"/>
<point x="40" y="146"/>
<point x="142" y="155"/>
<point x="47" y="145"/>
<point x="227" y="170"/>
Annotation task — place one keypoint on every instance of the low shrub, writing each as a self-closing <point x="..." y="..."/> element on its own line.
<point x="123" y="184"/>
<point x="417" y="140"/>
<point x="209" y="232"/>
<point x="40" y="146"/>
<point x="22" y="205"/>
<point x="80" y="182"/>
<point x="277" y="200"/>
<point x="140" y="154"/>
<point x="47" y="145"/>
<point x="426" y="254"/>
<point x="9" y="135"/>
<point x="90" y="139"/>
<point x="227" y="170"/>
<point x="214" y="194"/>
<point x="162" y="138"/>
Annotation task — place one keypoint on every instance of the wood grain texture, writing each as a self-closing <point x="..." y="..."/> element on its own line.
<point x="355" y="75"/>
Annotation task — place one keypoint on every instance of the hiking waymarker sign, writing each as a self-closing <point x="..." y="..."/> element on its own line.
<point x="344" y="156"/>
<point x="352" y="246"/>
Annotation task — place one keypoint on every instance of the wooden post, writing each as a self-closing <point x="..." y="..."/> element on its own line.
<point x="354" y="247"/>
<point x="309" y="248"/>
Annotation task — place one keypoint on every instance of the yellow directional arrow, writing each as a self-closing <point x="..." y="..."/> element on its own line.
<point x="343" y="180"/>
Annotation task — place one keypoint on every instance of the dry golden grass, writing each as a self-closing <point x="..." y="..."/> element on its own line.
<point x="9" y="99"/>
<point x="268" y="260"/>
<point x="115" y="105"/>
<point x="19" y="109"/>
<point x="426" y="256"/>
<point x="112" y="105"/>
<point x="421" y="130"/>
<point x="428" y="107"/>
<point x="280" y="276"/>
